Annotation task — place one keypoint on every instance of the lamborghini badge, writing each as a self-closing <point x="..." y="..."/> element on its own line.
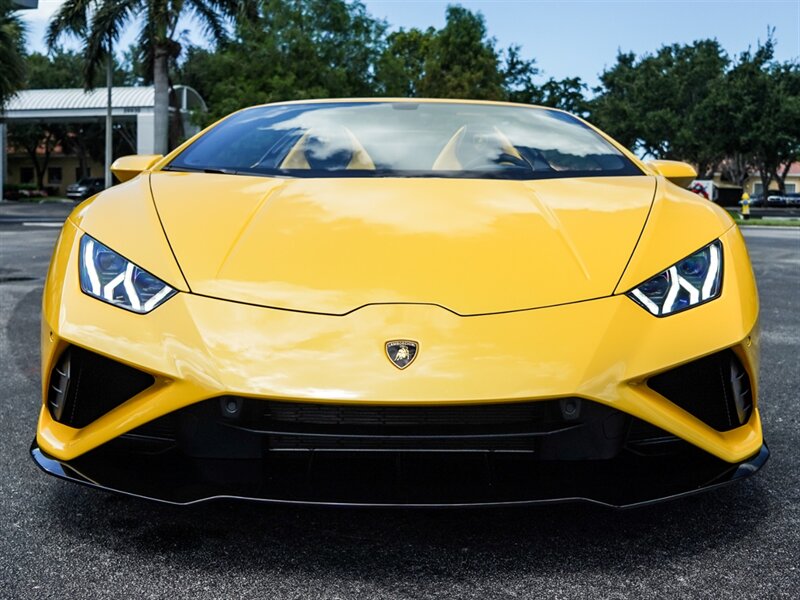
<point x="401" y="352"/>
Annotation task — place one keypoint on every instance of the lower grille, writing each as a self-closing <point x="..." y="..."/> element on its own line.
<point x="715" y="389"/>
<point x="393" y="416"/>
<point x="84" y="386"/>
<point x="510" y="427"/>
<point x="230" y="447"/>
<point x="397" y="444"/>
<point x="232" y="427"/>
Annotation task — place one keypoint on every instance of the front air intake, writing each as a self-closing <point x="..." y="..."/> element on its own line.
<point x="715" y="389"/>
<point x="84" y="386"/>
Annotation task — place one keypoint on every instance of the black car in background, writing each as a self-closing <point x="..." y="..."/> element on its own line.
<point x="82" y="189"/>
<point x="790" y="199"/>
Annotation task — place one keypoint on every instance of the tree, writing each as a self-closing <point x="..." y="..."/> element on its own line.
<point x="613" y="108"/>
<point x="774" y="134"/>
<point x="86" y="142"/>
<point x="566" y="94"/>
<point x="518" y="74"/>
<point x="38" y="140"/>
<point x="519" y="85"/>
<point x="12" y="48"/>
<point x="786" y="140"/>
<point x="65" y="69"/>
<point x="757" y="106"/>
<point x="458" y="61"/>
<point x="658" y="105"/>
<point x="401" y="65"/>
<point x="135" y="67"/>
<point x="333" y="48"/>
<point x="736" y="103"/>
<point x="291" y="50"/>
<point x="99" y="23"/>
<point x="462" y="61"/>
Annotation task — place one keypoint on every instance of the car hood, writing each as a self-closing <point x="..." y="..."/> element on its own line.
<point x="334" y="245"/>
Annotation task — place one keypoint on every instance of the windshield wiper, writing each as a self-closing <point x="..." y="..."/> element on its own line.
<point x="201" y="170"/>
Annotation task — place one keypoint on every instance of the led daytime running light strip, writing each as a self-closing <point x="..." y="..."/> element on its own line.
<point x="125" y="279"/>
<point x="676" y="282"/>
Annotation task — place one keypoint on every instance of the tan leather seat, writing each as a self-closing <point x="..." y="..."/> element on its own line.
<point x="472" y="143"/>
<point x="330" y="149"/>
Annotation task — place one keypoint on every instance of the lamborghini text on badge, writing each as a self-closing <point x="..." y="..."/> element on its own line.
<point x="401" y="352"/>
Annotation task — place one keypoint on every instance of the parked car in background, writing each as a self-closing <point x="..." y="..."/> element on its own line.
<point x="82" y="189"/>
<point x="775" y="200"/>
<point x="792" y="199"/>
<point x="757" y="200"/>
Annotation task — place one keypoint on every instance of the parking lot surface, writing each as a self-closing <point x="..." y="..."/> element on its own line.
<point x="59" y="540"/>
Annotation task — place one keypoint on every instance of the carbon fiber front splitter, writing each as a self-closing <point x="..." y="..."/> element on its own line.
<point x="401" y="480"/>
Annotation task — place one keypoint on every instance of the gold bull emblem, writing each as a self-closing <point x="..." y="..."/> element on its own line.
<point x="401" y="352"/>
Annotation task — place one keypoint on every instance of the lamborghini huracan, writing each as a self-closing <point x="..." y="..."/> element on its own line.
<point x="400" y="303"/>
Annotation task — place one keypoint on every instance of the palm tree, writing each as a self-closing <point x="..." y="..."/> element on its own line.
<point x="12" y="49"/>
<point x="12" y="70"/>
<point x="99" y="23"/>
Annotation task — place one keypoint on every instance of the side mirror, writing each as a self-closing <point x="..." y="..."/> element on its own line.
<point x="679" y="173"/>
<point x="128" y="167"/>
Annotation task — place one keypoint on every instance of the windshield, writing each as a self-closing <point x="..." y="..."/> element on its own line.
<point x="404" y="139"/>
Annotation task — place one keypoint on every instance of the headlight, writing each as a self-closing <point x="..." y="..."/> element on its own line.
<point x="111" y="278"/>
<point x="687" y="283"/>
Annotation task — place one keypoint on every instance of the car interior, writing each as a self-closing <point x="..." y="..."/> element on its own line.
<point x="471" y="147"/>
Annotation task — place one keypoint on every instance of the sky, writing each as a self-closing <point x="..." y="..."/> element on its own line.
<point x="570" y="37"/>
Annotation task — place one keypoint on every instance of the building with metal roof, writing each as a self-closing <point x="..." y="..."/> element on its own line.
<point x="131" y="105"/>
<point x="57" y="103"/>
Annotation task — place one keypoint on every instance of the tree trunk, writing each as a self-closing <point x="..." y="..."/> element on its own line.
<point x="736" y="169"/>
<point x="780" y="177"/>
<point x="31" y="145"/>
<point x="82" y="155"/>
<point x="744" y="173"/>
<point x="161" y="109"/>
<point x="39" y="167"/>
<point x="766" y="179"/>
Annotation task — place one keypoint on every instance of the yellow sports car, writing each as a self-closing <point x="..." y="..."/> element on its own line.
<point x="400" y="302"/>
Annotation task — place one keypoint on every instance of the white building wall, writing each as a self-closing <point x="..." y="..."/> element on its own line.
<point x="145" y="133"/>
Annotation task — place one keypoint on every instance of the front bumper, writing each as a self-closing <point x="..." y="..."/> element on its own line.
<point x="602" y="351"/>
<point x="409" y="481"/>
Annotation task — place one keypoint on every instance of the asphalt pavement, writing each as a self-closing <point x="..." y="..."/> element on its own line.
<point x="59" y="540"/>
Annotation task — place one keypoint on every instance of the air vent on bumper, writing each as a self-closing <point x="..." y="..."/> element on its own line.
<point x="715" y="389"/>
<point x="84" y="386"/>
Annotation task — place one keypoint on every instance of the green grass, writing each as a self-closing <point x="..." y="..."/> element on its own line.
<point x="764" y="221"/>
<point x="769" y="222"/>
